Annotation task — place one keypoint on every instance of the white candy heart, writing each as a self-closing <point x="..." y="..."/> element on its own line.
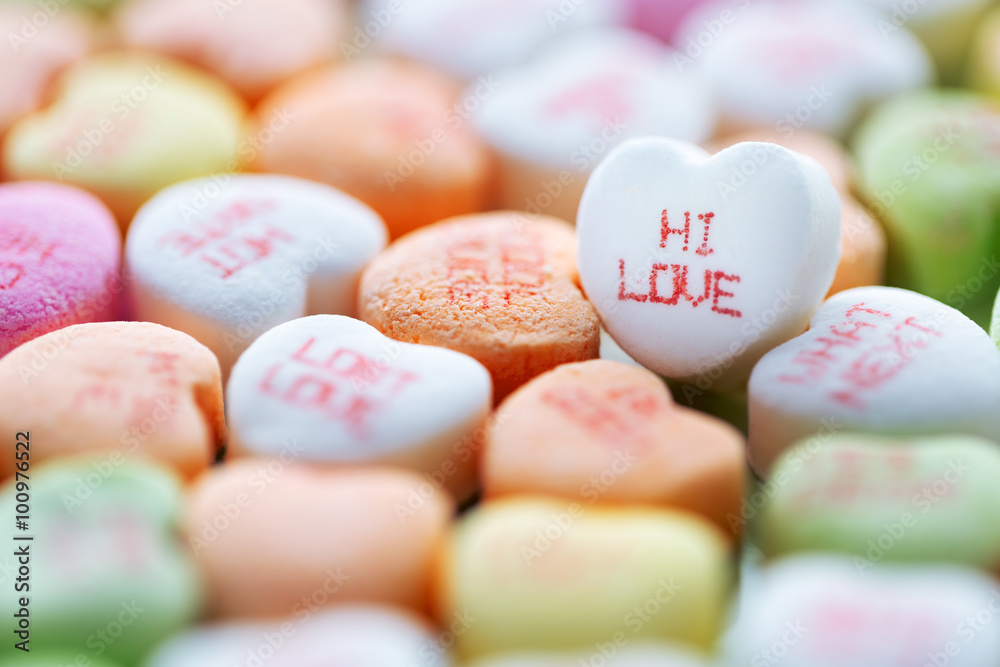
<point x="554" y="118"/>
<point x="331" y="389"/>
<point x="789" y="65"/>
<point x="473" y="37"/>
<point x="876" y="359"/>
<point x="826" y="611"/>
<point x="698" y="265"/>
<point x="226" y="261"/>
<point x="356" y="635"/>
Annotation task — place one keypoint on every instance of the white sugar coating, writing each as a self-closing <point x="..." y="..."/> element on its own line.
<point x="878" y="360"/>
<point x="469" y="38"/>
<point x="356" y="635"/>
<point x="789" y="65"/>
<point x="608" y="84"/>
<point x="829" y="611"/>
<point x="226" y="260"/>
<point x="761" y="251"/>
<point x="332" y="389"/>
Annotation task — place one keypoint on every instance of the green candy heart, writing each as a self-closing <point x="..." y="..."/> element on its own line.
<point x="108" y="578"/>
<point x="885" y="499"/>
<point x="929" y="166"/>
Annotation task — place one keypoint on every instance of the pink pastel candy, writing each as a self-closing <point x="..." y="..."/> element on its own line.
<point x="661" y="19"/>
<point x="60" y="254"/>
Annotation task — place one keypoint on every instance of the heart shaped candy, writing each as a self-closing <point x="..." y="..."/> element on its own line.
<point x="606" y="431"/>
<point x="225" y="260"/>
<point x="876" y="359"/>
<point x="344" y="393"/>
<point x="698" y="265"/>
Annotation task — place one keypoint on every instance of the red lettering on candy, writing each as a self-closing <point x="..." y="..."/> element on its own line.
<point x="486" y="270"/>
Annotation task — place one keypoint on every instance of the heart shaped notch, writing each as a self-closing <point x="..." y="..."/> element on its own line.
<point x="698" y="265"/>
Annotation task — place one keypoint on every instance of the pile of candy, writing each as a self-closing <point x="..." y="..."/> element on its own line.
<point x="499" y="333"/>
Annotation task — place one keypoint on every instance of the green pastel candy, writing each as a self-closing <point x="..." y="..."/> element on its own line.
<point x="929" y="168"/>
<point x="885" y="499"/>
<point x="57" y="660"/>
<point x="108" y="577"/>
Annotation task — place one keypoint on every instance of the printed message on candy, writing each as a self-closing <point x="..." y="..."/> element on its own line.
<point x="710" y="282"/>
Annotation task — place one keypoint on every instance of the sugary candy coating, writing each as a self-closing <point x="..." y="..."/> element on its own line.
<point x="698" y="265"/>
<point x="605" y="432"/>
<point x="225" y="259"/>
<point x="386" y="132"/>
<point x="60" y="252"/>
<point x="920" y="499"/>
<point x="121" y="389"/>
<point x="880" y="360"/>
<point x="329" y="535"/>
<point x="501" y="287"/>
<point x="106" y="573"/>
<point x="549" y="575"/>
<point x="124" y="125"/>
<point x="346" y="394"/>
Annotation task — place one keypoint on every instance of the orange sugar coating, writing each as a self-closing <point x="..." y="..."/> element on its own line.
<point x="254" y="45"/>
<point x="272" y="538"/>
<point x="499" y="287"/>
<point x="862" y="248"/>
<point x="606" y="432"/>
<point x="130" y="389"/>
<point x="384" y="131"/>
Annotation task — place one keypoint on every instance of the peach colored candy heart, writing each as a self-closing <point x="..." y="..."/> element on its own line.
<point x="499" y="287"/>
<point x="862" y="239"/>
<point x="602" y="431"/>
<point x="273" y="538"/>
<point x="385" y="132"/>
<point x="126" y="388"/>
<point x="252" y="44"/>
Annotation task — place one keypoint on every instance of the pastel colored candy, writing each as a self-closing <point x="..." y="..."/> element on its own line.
<point x="254" y="45"/>
<point x="662" y="19"/>
<point x="945" y="27"/>
<point x="227" y="261"/>
<point x="60" y="251"/>
<point x="551" y="120"/>
<point x="886" y="499"/>
<point x="790" y="65"/>
<point x="821" y="611"/>
<point x="927" y="165"/>
<point x="107" y="577"/>
<point x="626" y="654"/>
<point x="469" y="38"/>
<point x="862" y="240"/>
<point x="126" y="124"/>
<point x="330" y="536"/>
<point x="880" y="360"/>
<point x="698" y="265"/>
<point x="54" y="659"/>
<point x="601" y="431"/>
<point x="983" y="69"/>
<point x="499" y="287"/>
<point x="346" y="394"/>
<point x="36" y="54"/>
<point x="120" y="389"/>
<point x="546" y="575"/>
<point x="348" y="634"/>
<point x="386" y="132"/>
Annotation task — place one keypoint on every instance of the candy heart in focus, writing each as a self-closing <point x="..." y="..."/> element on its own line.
<point x="226" y="259"/>
<point x="698" y="265"/>
<point x="344" y="393"/>
<point x="876" y="359"/>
